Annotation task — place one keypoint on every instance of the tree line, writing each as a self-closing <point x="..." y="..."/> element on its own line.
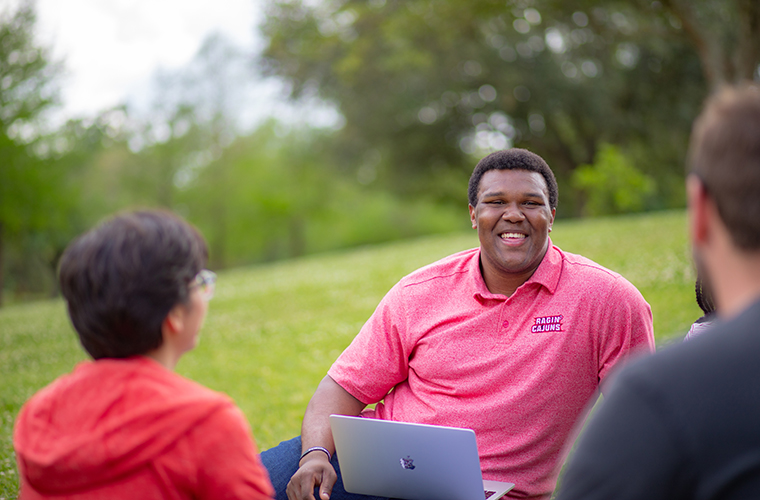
<point x="605" y="91"/>
<point x="431" y="83"/>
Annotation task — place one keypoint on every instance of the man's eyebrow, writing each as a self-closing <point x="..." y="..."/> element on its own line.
<point x="529" y="194"/>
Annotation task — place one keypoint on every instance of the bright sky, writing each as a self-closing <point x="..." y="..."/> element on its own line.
<point x="112" y="47"/>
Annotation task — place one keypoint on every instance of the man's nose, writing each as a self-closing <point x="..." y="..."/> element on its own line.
<point x="513" y="213"/>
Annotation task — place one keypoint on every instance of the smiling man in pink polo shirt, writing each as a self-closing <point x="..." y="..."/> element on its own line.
<point x="511" y="339"/>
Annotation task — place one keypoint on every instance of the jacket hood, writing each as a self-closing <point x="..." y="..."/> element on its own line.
<point x="104" y="420"/>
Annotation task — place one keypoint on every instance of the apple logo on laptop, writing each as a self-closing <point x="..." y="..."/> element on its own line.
<point x="407" y="463"/>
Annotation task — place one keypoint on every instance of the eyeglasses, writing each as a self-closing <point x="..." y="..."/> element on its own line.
<point x="206" y="280"/>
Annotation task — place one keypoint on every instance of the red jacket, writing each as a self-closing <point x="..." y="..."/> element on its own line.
<point x="130" y="428"/>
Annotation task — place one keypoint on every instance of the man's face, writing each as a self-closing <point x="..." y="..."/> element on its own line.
<point x="513" y="219"/>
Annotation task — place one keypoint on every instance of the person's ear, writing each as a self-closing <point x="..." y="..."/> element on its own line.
<point x="472" y="217"/>
<point x="698" y="201"/>
<point x="551" y="222"/>
<point x="175" y="320"/>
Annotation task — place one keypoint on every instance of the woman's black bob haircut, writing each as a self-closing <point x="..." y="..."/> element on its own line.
<point x="121" y="279"/>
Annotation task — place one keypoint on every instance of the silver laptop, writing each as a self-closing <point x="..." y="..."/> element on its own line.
<point x="410" y="461"/>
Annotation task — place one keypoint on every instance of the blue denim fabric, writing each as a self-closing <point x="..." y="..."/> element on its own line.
<point x="282" y="462"/>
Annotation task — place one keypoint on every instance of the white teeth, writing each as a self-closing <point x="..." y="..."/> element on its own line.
<point x="505" y="236"/>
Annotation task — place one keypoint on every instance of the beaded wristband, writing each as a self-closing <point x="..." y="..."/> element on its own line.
<point x="316" y="448"/>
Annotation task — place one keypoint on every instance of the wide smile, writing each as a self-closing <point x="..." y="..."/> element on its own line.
<point x="512" y="237"/>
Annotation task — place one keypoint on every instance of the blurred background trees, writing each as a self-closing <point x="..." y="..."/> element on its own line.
<point x="430" y="84"/>
<point x="605" y="91"/>
<point x="32" y="197"/>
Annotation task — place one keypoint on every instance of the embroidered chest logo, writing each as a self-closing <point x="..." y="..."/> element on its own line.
<point x="547" y="324"/>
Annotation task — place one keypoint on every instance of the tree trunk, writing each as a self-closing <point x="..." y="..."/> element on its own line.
<point x="706" y="43"/>
<point x="748" y="47"/>
<point x="723" y="62"/>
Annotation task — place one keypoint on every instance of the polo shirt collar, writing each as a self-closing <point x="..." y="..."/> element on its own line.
<point x="549" y="270"/>
<point x="547" y="274"/>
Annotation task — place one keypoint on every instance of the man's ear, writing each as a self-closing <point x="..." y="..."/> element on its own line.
<point x="698" y="202"/>
<point x="554" y="214"/>
<point x="472" y="217"/>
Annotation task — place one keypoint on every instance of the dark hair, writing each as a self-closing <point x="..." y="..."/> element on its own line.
<point x="704" y="296"/>
<point x="513" y="159"/>
<point x="122" y="278"/>
<point x="725" y="154"/>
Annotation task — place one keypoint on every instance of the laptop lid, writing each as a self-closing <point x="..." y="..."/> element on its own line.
<point x="410" y="461"/>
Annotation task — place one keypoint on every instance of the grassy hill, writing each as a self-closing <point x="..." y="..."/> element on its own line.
<point x="273" y="331"/>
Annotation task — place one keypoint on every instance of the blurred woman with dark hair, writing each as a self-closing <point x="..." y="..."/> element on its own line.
<point x="125" y="426"/>
<point x="705" y="302"/>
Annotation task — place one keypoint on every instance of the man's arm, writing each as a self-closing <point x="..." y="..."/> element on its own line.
<point x="315" y="469"/>
<point x="627" y="328"/>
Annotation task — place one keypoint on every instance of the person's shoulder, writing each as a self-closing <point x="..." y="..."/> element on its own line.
<point x="583" y="273"/>
<point x="730" y="340"/>
<point x="139" y="379"/>
<point x="60" y="387"/>
<point x="660" y="378"/>
<point x="451" y="267"/>
<point x="730" y="346"/>
<point x="578" y="264"/>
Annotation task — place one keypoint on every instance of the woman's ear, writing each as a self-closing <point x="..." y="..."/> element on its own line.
<point x="174" y="321"/>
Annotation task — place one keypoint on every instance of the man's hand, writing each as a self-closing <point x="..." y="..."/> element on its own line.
<point x="315" y="470"/>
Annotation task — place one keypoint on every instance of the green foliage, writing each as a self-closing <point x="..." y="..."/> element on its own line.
<point x="268" y="195"/>
<point x="26" y="73"/>
<point x="612" y="185"/>
<point x="274" y="195"/>
<point x="426" y="87"/>
<point x="32" y="196"/>
<point x="434" y="85"/>
<point x="258" y="200"/>
<point x="273" y="330"/>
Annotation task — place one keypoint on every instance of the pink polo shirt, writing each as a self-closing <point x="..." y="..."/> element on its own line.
<point x="518" y="370"/>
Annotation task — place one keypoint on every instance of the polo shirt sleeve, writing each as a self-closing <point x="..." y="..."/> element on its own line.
<point x="626" y="327"/>
<point x="378" y="357"/>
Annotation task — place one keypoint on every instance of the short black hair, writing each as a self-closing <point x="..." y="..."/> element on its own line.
<point x="513" y="159"/>
<point x="121" y="279"/>
<point x="725" y="154"/>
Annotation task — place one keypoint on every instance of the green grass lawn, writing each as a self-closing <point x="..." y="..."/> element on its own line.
<point x="272" y="331"/>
